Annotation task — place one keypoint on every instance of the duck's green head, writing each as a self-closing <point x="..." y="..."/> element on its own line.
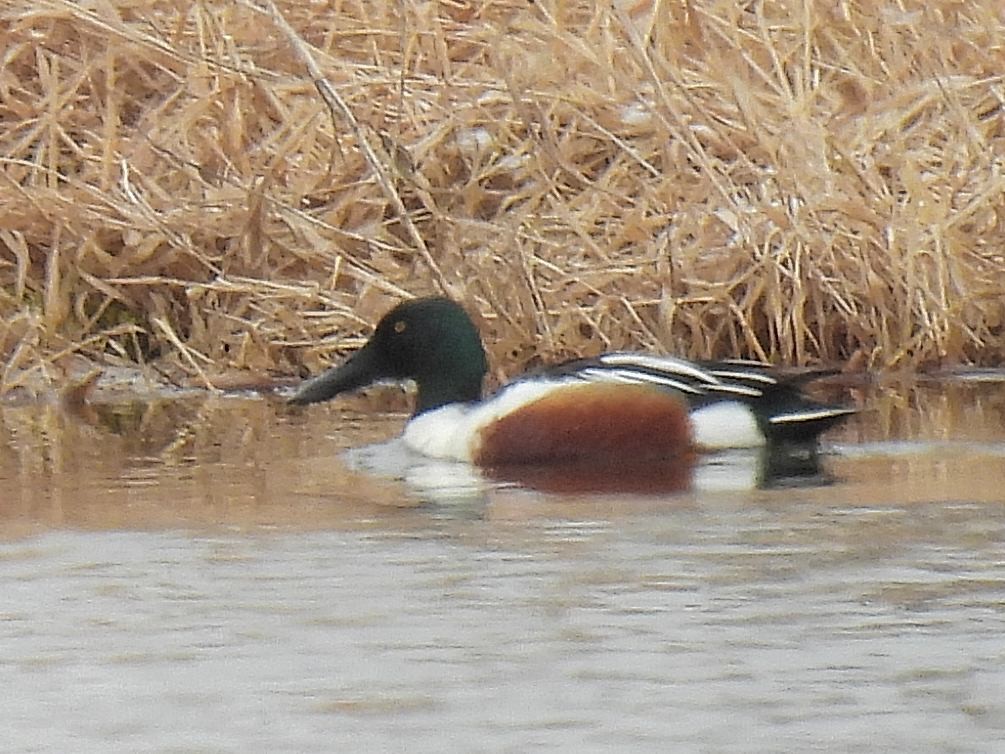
<point x="429" y="340"/>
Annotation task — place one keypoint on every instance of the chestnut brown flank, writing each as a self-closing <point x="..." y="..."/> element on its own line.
<point x="591" y="422"/>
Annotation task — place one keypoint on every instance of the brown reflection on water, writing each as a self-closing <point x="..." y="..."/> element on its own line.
<point x="202" y="462"/>
<point x="245" y="463"/>
<point x="926" y="443"/>
<point x="932" y="410"/>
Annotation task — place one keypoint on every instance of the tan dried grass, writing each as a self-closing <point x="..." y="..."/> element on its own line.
<point x="795" y="181"/>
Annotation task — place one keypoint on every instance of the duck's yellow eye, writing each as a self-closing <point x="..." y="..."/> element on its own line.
<point x="400" y="326"/>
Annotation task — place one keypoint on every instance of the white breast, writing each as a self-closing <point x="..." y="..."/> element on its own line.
<point x="453" y="431"/>
<point x="445" y="432"/>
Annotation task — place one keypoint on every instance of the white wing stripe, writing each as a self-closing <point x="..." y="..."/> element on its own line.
<point x="658" y="364"/>
<point x="751" y="392"/>
<point x="809" y="416"/>
<point x="749" y="376"/>
<point x="635" y="378"/>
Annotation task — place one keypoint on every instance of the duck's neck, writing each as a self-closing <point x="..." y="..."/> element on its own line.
<point x="436" y="392"/>
<point x="451" y="368"/>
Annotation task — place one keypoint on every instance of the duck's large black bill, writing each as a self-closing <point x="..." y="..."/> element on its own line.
<point x="360" y="370"/>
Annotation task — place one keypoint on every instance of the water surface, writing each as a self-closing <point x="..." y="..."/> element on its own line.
<point x="208" y="575"/>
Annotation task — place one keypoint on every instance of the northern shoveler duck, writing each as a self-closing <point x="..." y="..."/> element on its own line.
<point x="614" y="408"/>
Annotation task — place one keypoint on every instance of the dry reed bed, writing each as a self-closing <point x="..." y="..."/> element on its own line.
<point x="793" y="180"/>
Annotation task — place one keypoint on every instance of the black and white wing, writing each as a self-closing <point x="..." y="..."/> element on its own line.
<point x="776" y="400"/>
